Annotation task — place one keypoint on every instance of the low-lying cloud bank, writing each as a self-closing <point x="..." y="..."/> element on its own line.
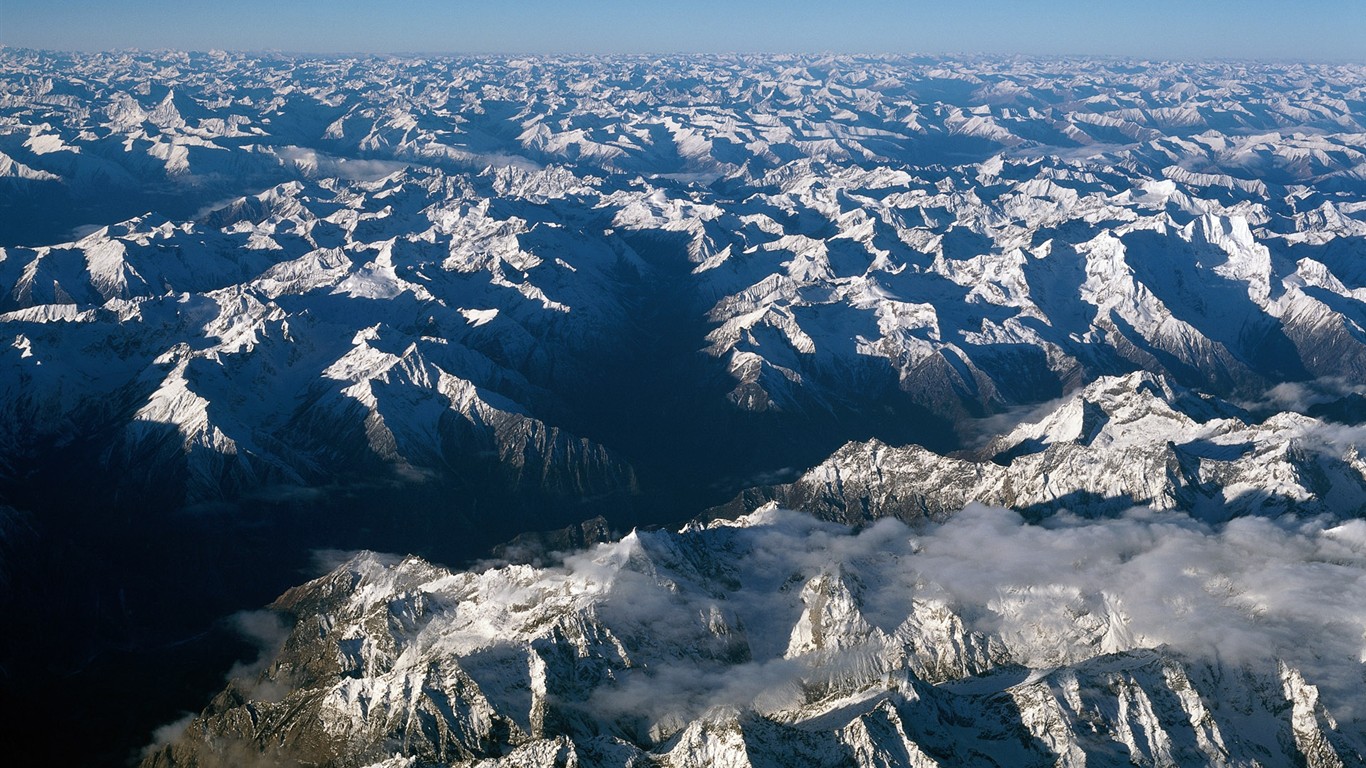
<point x="648" y="638"/>
<point x="1253" y="590"/>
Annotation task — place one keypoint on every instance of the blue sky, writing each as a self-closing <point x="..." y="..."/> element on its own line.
<point x="1262" y="29"/>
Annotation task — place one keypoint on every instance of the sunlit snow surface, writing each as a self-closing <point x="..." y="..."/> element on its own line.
<point x="226" y="277"/>
<point x="955" y="236"/>
<point x="778" y="639"/>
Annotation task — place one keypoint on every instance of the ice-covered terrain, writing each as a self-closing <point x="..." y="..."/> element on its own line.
<point x="257" y="306"/>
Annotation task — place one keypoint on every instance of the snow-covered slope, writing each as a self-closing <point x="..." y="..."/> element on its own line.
<point x="278" y="303"/>
<point x="841" y="236"/>
<point x="311" y="331"/>
<point x="1117" y="443"/>
<point x="780" y="640"/>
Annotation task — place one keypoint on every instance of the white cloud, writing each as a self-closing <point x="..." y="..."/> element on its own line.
<point x="1251" y="591"/>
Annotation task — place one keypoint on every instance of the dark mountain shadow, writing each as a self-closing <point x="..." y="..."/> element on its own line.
<point x="1020" y="372"/>
<point x="122" y="583"/>
<point x="41" y="212"/>
<point x="1345" y="257"/>
<point x="661" y="403"/>
<point x="1350" y="409"/>
<point x="1084" y="503"/>
<point x="974" y="722"/>
<point x="1220" y="307"/>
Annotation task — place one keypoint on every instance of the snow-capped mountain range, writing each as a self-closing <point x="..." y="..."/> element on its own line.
<point x="1119" y="442"/>
<point x="460" y="291"/>
<point x="777" y="640"/>
<point x="253" y="306"/>
<point x="1152" y="619"/>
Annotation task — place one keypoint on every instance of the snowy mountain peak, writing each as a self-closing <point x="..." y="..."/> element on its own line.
<point x="1118" y="442"/>
<point x="816" y="645"/>
<point x="1115" y="411"/>
<point x="257" y="307"/>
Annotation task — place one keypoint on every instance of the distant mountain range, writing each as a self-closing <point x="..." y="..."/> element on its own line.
<point x="254" y="307"/>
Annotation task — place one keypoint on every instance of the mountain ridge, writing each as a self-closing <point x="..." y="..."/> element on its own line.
<point x="257" y="306"/>
<point x="512" y="665"/>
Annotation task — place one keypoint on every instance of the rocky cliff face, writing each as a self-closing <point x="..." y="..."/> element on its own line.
<point x="780" y="640"/>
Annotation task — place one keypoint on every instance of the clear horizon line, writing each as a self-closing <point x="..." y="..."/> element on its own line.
<point x="495" y="54"/>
